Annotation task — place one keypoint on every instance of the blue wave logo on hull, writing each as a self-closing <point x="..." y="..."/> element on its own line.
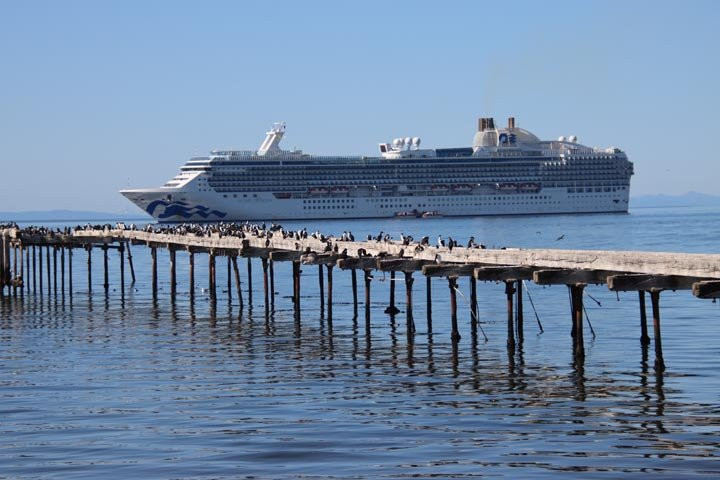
<point x="181" y="209"/>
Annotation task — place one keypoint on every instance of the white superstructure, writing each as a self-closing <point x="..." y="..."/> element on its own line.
<point x="506" y="171"/>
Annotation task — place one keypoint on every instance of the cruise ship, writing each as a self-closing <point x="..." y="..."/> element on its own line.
<point x="507" y="171"/>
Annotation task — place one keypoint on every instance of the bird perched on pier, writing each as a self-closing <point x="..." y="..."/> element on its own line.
<point x="369" y="237"/>
<point x="379" y="237"/>
<point x="440" y="241"/>
<point x="350" y="236"/>
<point x="335" y="248"/>
<point x="451" y="243"/>
<point x="471" y="242"/>
<point x="438" y="258"/>
<point x="419" y="248"/>
<point x="425" y="240"/>
<point x="343" y="254"/>
<point x="401" y="253"/>
<point x="267" y="242"/>
<point x="328" y="247"/>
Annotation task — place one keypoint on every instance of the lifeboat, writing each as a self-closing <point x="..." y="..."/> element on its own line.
<point x="530" y="187"/>
<point x="431" y="214"/>
<point x="462" y="188"/>
<point x="283" y="195"/>
<point x="507" y="187"/>
<point x="317" y="190"/>
<point x="340" y="189"/>
<point x="439" y="188"/>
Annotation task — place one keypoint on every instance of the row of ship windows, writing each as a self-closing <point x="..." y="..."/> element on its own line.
<point x="339" y="200"/>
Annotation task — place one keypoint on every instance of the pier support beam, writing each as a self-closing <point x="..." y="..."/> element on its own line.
<point x="153" y="256"/>
<point x="249" y="281"/>
<point x="353" y="273"/>
<point x="191" y="268"/>
<point x="509" y="292"/>
<point x="473" y="306"/>
<point x="47" y="269"/>
<point x="70" y="271"/>
<point x="576" y="295"/>
<point x="296" y="288"/>
<point x="272" y="285"/>
<point x="368" y="279"/>
<point x="89" y="268"/>
<point x="62" y="270"/>
<point x="106" y="280"/>
<point x="329" y="294"/>
<point x="644" y="337"/>
<point x="55" y="269"/>
<point x="409" y="280"/>
<point x="238" y="288"/>
<point x="392" y="309"/>
<point x="121" y="251"/>
<point x="428" y="303"/>
<point x="173" y="274"/>
<point x="266" y="287"/>
<point x="321" y="286"/>
<point x="130" y="262"/>
<point x="659" y="360"/>
<point x="229" y="281"/>
<point x="34" y="271"/>
<point x="211" y="276"/>
<point x="519" y="318"/>
<point x="452" y="284"/>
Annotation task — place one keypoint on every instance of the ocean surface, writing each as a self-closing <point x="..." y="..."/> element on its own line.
<point x="113" y="387"/>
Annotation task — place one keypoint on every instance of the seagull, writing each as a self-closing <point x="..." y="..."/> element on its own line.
<point x="560" y="237"/>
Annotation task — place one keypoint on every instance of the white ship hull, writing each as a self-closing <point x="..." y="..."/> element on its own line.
<point x="167" y="205"/>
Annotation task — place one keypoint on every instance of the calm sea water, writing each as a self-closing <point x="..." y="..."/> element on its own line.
<point x="108" y="387"/>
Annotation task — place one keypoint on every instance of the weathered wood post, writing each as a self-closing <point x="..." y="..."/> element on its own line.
<point x="173" y="273"/>
<point x="229" y="280"/>
<point x="106" y="281"/>
<point x="153" y="256"/>
<point x="191" y="274"/>
<point x="266" y="287"/>
<point x="34" y="271"/>
<point x="577" y="305"/>
<point x="15" y="270"/>
<point x="409" y="280"/>
<point x="428" y="302"/>
<point x="88" y="247"/>
<point x="473" y="306"/>
<point x="249" y="281"/>
<point x="452" y="283"/>
<point x="70" y="272"/>
<point x="321" y="285"/>
<point x="3" y="279"/>
<point x="519" y="319"/>
<point x="211" y="275"/>
<point x="48" y="269"/>
<point x="27" y="269"/>
<point x="368" y="279"/>
<point x="121" y="252"/>
<point x="41" y="273"/>
<point x="22" y="270"/>
<point x="354" y="292"/>
<point x="238" y="289"/>
<point x="130" y="262"/>
<point x="509" y="291"/>
<point x="392" y="309"/>
<point x="54" y="268"/>
<point x="329" y="293"/>
<point x="644" y="337"/>
<point x="655" y="300"/>
<point x="272" y="285"/>
<point x="296" y="289"/>
<point x="62" y="270"/>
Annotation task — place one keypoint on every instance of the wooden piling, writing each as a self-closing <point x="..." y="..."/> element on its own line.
<point x="238" y="289"/>
<point x="15" y="270"/>
<point x="509" y="292"/>
<point x="48" y="269"/>
<point x="249" y="281"/>
<point x="428" y="303"/>
<point x="644" y="337"/>
<point x="272" y="284"/>
<point x="62" y="270"/>
<point x="173" y="273"/>
<point x="130" y="262"/>
<point x="368" y="279"/>
<point x="329" y="293"/>
<point x="22" y="269"/>
<point x="211" y="276"/>
<point x="409" y="280"/>
<point x="473" y="305"/>
<point x="577" y="306"/>
<point x="296" y="288"/>
<point x="354" y="292"/>
<point x="191" y="274"/>
<point x="452" y="283"/>
<point x="34" y="271"/>
<point x="321" y="285"/>
<point x="2" y="263"/>
<point x="55" y="269"/>
<point x="392" y="309"/>
<point x="26" y="272"/>
<point x="266" y="287"/>
<point x="519" y="318"/>
<point x="659" y="360"/>
<point x="121" y="252"/>
<point x="153" y="256"/>
<point x="106" y="280"/>
<point x="70" y="271"/>
<point x="229" y="281"/>
<point x="89" y="268"/>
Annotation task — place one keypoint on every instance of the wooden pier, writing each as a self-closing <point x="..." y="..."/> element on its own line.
<point x="24" y="255"/>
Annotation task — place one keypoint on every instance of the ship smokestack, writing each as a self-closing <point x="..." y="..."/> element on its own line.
<point x="511" y="123"/>
<point x="490" y="123"/>
<point x="482" y="124"/>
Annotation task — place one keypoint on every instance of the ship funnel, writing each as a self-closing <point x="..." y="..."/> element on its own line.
<point x="511" y="123"/>
<point x="482" y="123"/>
<point x="490" y="123"/>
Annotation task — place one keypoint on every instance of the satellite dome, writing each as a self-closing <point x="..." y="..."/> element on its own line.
<point x="572" y="139"/>
<point x="561" y="138"/>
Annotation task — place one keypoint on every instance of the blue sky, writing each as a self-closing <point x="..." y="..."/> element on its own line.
<point x="98" y="96"/>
